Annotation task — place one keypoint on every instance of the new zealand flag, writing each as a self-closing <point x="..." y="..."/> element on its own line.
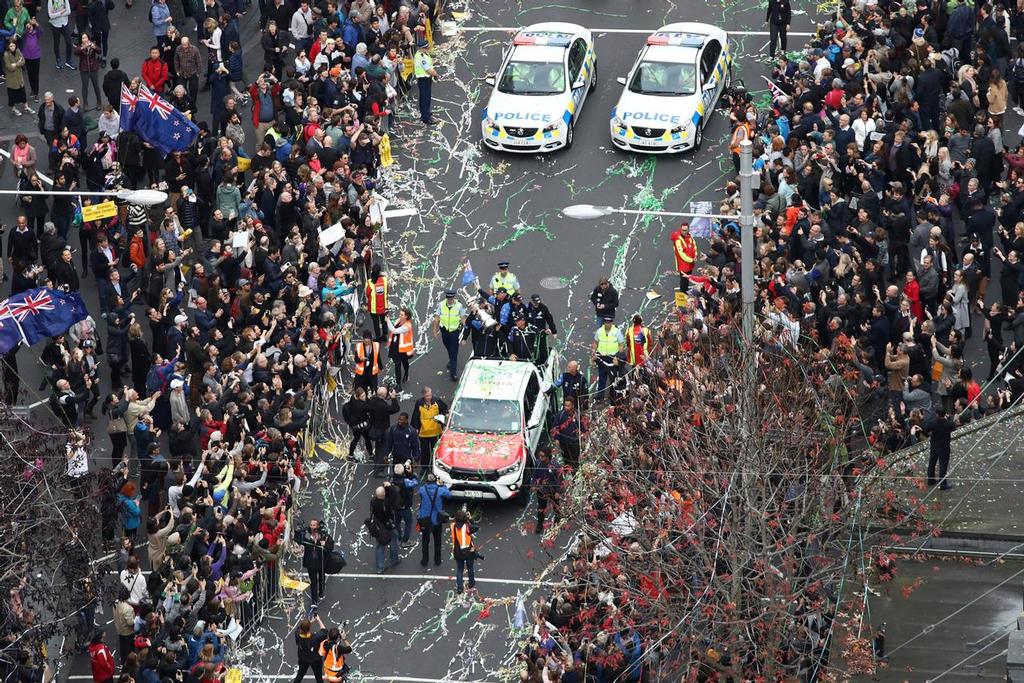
<point x="156" y="121"/>
<point x="37" y="314"/>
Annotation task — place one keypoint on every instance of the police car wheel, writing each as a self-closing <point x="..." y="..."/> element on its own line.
<point x="593" y="78"/>
<point x="698" y="138"/>
<point x="568" y="136"/>
<point x="728" y="79"/>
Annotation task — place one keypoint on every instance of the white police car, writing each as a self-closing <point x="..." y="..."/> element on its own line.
<point x="672" y="89"/>
<point x="540" y="89"/>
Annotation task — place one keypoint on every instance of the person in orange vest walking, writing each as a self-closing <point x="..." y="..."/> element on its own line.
<point x="744" y="130"/>
<point x="333" y="650"/>
<point x="638" y="342"/>
<point x="463" y="550"/>
<point x="367" y="363"/>
<point x="685" y="249"/>
<point x="402" y="346"/>
<point x="377" y="301"/>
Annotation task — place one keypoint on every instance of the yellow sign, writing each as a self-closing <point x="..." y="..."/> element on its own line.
<point x="682" y="301"/>
<point x="243" y="164"/>
<point x="95" y="212"/>
<point x="385" y="151"/>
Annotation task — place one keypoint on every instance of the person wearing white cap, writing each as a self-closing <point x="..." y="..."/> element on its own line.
<point x="179" y="403"/>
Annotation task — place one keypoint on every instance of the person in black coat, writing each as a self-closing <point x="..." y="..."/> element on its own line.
<point x="99" y="22"/>
<point x="928" y="90"/>
<point x="63" y="272"/>
<point x="307" y="647"/>
<point x="939" y="430"/>
<point x="112" y="81"/>
<point x="356" y="414"/>
<point x="316" y="545"/>
<point x="779" y="17"/>
<point x="983" y="150"/>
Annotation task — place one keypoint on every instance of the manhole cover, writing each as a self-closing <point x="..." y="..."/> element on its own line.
<point x="554" y="282"/>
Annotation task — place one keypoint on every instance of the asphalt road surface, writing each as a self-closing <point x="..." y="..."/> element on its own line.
<point x="473" y="203"/>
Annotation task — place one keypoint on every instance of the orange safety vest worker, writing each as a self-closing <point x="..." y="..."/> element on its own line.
<point x="739" y="134"/>
<point x="405" y="342"/>
<point x="638" y="344"/>
<point x="334" y="664"/>
<point x="462" y="539"/>
<point x="377" y="295"/>
<point x="361" y="358"/>
<point x="685" y="250"/>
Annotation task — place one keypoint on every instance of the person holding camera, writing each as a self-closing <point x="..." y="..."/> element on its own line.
<point x="307" y="646"/>
<point x="316" y="544"/>
<point x="333" y="650"/>
<point x="430" y="516"/>
<point x="463" y="549"/>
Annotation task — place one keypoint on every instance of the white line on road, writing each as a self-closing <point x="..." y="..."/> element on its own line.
<point x="439" y="577"/>
<point x="482" y="29"/>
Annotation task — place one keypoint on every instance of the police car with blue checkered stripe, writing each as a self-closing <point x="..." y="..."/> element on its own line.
<point x="540" y="89"/>
<point x="672" y="89"/>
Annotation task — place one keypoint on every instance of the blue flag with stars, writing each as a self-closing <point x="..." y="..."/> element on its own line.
<point x="157" y="122"/>
<point x="38" y="314"/>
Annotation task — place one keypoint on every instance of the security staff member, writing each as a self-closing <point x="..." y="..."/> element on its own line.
<point x="540" y="319"/>
<point x="449" y="322"/>
<point x="423" y="67"/>
<point x="638" y="342"/>
<point x="367" y="363"/>
<point x="605" y="350"/>
<point x="744" y="130"/>
<point x="462" y="549"/>
<point x="377" y="301"/>
<point x="504" y="278"/>
<point x="333" y="651"/>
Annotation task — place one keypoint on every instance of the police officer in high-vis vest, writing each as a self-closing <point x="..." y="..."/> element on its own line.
<point x="608" y="343"/>
<point x="423" y="68"/>
<point x="376" y="296"/>
<point x="638" y="342"/>
<point x="504" y="278"/>
<point x="449" y="321"/>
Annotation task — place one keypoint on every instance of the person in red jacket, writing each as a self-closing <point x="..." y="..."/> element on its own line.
<point x="154" y="71"/>
<point x="101" y="660"/>
<point x="685" y="249"/>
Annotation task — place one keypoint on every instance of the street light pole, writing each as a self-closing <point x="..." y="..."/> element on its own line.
<point x="747" y="237"/>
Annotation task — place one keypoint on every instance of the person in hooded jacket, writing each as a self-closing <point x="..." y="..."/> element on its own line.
<point x="432" y="497"/>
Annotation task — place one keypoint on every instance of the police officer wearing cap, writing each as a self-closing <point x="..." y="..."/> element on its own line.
<point x="540" y="319"/>
<point x="423" y="68"/>
<point x="449" y="322"/>
<point x="608" y="344"/>
<point x="505" y="278"/>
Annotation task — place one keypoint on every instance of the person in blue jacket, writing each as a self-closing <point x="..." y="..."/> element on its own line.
<point x="128" y="505"/>
<point x="432" y="496"/>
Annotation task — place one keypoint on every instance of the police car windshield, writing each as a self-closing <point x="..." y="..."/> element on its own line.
<point x="485" y="416"/>
<point x="533" y="78"/>
<point x="664" y="78"/>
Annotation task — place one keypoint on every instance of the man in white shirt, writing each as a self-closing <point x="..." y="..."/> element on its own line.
<point x="59" y="12"/>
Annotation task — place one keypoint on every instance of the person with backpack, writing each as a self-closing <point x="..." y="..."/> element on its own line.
<point x="381" y="526"/>
<point x="429" y="517"/>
